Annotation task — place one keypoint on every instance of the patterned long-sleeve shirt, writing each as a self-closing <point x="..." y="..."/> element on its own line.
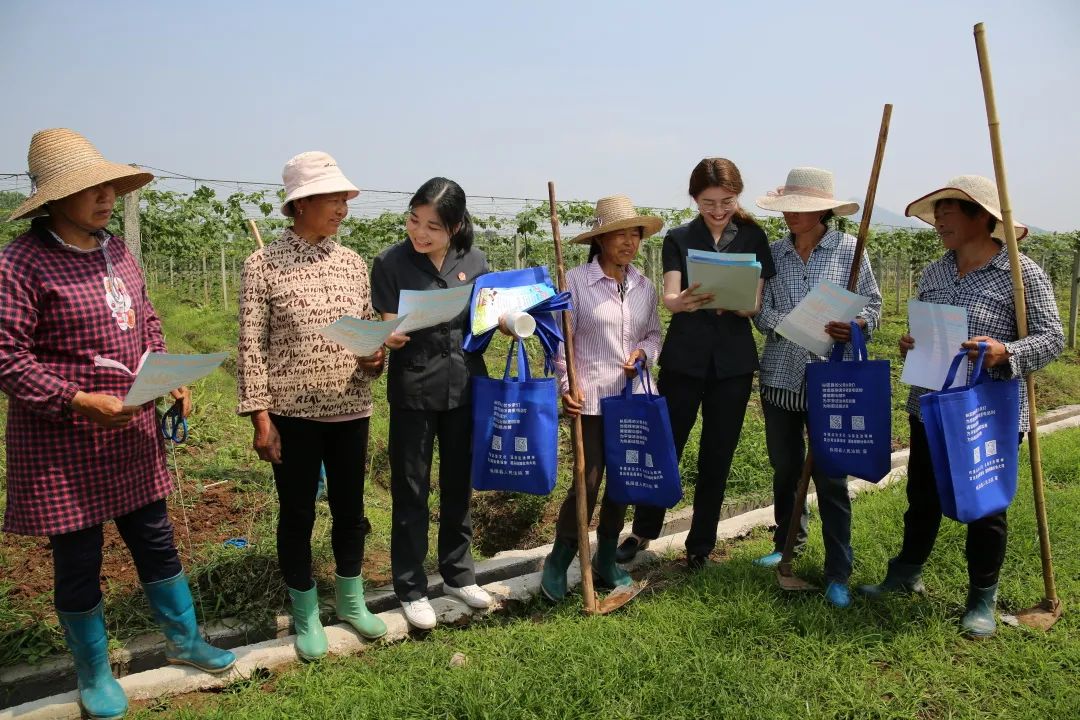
<point x="783" y="363"/>
<point x="607" y="328"/>
<point x="987" y="295"/>
<point x="290" y="290"/>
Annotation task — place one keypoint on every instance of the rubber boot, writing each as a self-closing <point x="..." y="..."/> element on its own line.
<point x="174" y="610"/>
<point x="899" y="578"/>
<point x="310" y="636"/>
<point x="351" y="608"/>
<point x="553" y="582"/>
<point x="978" y="621"/>
<point x="607" y="573"/>
<point x="99" y="693"/>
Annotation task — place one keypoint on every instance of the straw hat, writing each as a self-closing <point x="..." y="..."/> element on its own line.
<point x="618" y="213"/>
<point x="973" y="188"/>
<point x="62" y="162"/>
<point x="807" y="189"/>
<point x="313" y="173"/>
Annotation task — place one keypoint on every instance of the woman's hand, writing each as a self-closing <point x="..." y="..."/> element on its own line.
<point x="630" y="366"/>
<point x="106" y="411"/>
<point x="996" y="354"/>
<point x="571" y="406"/>
<point x="373" y="363"/>
<point x="182" y="396"/>
<point x="267" y="442"/>
<point x="687" y="300"/>
<point x="841" y="331"/>
<point x="906" y="343"/>
<point x="396" y="341"/>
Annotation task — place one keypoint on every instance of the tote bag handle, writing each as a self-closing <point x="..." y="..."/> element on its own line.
<point x="858" y="346"/>
<point x="955" y="367"/>
<point x="522" y="362"/>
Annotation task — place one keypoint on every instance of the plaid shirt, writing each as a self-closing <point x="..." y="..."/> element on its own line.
<point x="58" y="309"/>
<point x="783" y="363"/>
<point x="987" y="295"/>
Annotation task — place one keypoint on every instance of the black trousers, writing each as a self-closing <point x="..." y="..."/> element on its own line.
<point x="986" y="537"/>
<point x="147" y="532"/>
<point x="723" y="408"/>
<point x="612" y="514"/>
<point x="305" y="446"/>
<point x="412" y="442"/>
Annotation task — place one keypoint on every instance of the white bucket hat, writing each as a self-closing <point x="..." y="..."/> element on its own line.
<point x="973" y="188"/>
<point x="807" y="189"/>
<point x="62" y="162"/>
<point x="617" y="213"/>
<point x="313" y="173"/>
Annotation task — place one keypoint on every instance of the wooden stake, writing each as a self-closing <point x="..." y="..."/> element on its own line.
<point x="784" y="574"/>
<point x="255" y="231"/>
<point x="1045" y="616"/>
<point x="584" y="551"/>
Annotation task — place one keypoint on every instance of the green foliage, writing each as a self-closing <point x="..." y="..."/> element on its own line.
<point x="9" y="200"/>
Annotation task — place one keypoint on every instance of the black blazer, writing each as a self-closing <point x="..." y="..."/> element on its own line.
<point x="431" y="372"/>
<point x="700" y="340"/>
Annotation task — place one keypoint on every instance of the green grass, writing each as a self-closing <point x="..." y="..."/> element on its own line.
<point x="728" y="643"/>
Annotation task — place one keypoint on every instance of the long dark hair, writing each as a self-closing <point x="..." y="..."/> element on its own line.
<point x="448" y="200"/>
<point x="722" y="173"/>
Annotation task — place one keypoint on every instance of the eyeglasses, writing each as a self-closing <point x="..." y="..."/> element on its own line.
<point x="727" y="204"/>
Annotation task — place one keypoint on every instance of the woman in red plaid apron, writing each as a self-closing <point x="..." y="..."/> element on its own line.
<point x="70" y="295"/>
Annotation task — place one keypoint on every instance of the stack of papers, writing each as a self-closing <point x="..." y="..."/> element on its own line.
<point x="731" y="278"/>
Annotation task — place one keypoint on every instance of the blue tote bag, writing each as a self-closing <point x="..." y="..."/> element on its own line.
<point x="849" y="406"/>
<point x="515" y="430"/>
<point x="973" y="435"/>
<point x="639" y="450"/>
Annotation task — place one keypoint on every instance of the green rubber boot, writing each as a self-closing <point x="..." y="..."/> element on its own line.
<point x="978" y="622"/>
<point x="351" y="607"/>
<point x="99" y="693"/>
<point x="310" y="637"/>
<point x="174" y="611"/>
<point x="899" y="578"/>
<point x="553" y="582"/>
<point x="607" y="573"/>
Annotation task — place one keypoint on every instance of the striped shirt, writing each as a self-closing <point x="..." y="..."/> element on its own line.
<point x="987" y="295"/>
<point x="607" y="328"/>
<point x="783" y="363"/>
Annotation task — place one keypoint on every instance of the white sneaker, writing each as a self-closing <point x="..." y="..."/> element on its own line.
<point x="419" y="613"/>
<point x="472" y="595"/>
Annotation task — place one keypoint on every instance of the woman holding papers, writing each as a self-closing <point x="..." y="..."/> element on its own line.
<point x="807" y="255"/>
<point x="430" y="395"/>
<point x="709" y="356"/>
<point x="974" y="274"/>
<point x="308" y="398"/>
<point x="615" y="325"/>
<point x="70" y="293"/>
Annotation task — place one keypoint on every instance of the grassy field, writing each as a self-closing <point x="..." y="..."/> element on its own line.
<point x="728" y="643"/>
<point x="226" y="492"/>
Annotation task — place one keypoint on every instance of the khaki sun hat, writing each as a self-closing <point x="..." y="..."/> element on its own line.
<point x="973" y="188"/>
<point x="313" y="173"/>
<point x="62" y="162"/>
<point x="807" y="189"/>
<point x="617" y="213"/>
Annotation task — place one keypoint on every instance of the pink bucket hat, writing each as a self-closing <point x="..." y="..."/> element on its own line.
<point x="313" y="173"/>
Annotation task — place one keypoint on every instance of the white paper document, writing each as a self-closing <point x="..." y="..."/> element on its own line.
<point x="361" y="337"/>
<point x="160" y="373"/>
<point x="493" y="303"/>
<point x="732" y="278"/>
<point x="827" y="302"/>
<point x="939" y="330"/>
<point x="428" y="308"/>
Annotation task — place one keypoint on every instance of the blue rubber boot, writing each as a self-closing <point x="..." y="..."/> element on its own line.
<point x="769" y="561"/>
<point x="553" y="581"/>
<point x="838" y="594"/>
<point x="352" y="609"/>
<point x="174" y="611"/>
<point x="606" y="571"/>
<point x="311" y="643"/>
<point x="978" y="622"/>
<point x="99" y="693"/>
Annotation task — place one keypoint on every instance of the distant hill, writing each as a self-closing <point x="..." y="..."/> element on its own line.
<point x="885" y="216"/>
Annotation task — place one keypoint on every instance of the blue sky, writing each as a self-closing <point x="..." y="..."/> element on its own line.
<point x="600" y="97"/>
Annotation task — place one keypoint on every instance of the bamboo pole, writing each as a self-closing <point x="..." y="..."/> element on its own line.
<point x="1050" y="603"/>
<point x="584" y="551"/>
<point x="255" y="231"/>
<point x="784" y="573"/>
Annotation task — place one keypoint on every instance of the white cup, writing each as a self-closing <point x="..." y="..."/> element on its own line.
<point x="519" y="324"/>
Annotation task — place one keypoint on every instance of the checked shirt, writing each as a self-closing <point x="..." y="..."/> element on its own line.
<point x="987" y="295"/>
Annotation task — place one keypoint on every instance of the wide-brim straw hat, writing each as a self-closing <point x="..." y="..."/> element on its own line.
<point x="617" y="213"/>
<point x="807" y="189"/>
<point x="313" y="173"/>
<point x="973" y="188"/>
<point x="62" y="162"/>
